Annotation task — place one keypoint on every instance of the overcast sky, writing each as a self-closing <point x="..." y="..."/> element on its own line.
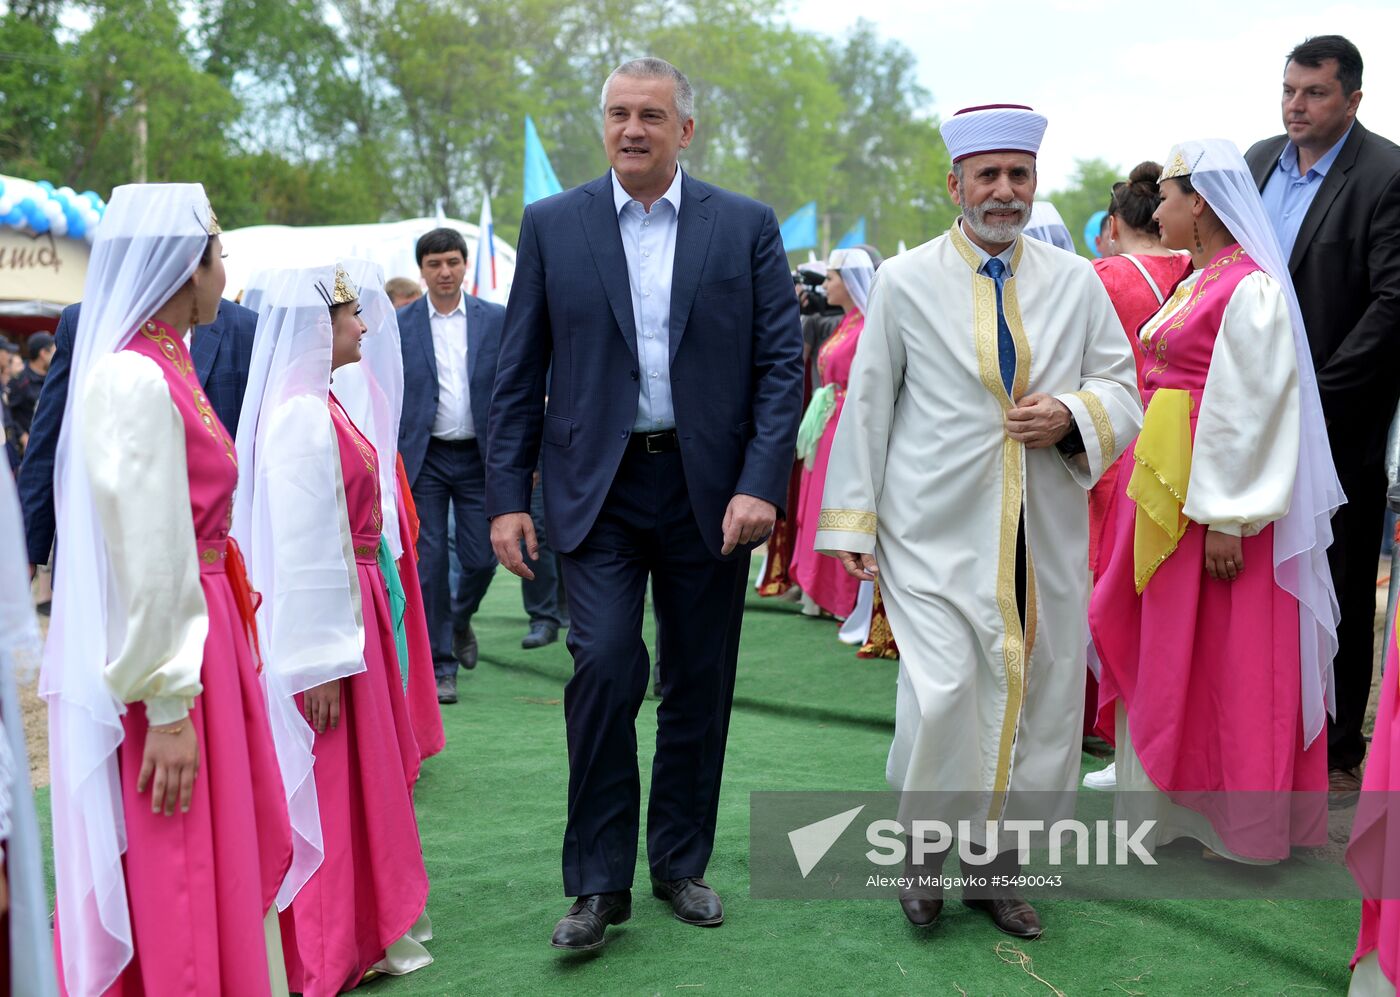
<point x="1123" y="81"/>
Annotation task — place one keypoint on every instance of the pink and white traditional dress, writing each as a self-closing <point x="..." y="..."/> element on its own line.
<point x="823" y="579"/>
<point x="1374" y="852"/>
<point x="371" y="888"/>
<point x="199" y="884"/>
<point x="1200" y="677"/>
<point x="423" y="710"/>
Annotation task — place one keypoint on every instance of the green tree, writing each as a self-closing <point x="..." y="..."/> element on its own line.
<point x="1088" y="191"/>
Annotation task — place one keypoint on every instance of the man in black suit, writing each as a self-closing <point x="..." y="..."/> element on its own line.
<point x="222" y="352"/>
<point x="666" y="310"/>
<point x="1332" y="191"/>
<point x="450" y="340"/>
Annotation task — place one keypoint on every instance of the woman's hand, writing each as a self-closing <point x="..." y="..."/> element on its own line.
<point x="1224" y="556"/>
<point x="169" y="763"/>
<point x="322" y="704"/>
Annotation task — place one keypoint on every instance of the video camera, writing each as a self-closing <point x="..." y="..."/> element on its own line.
<point x="810" y="277"/>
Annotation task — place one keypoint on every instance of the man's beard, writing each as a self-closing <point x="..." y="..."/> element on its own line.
<point x="975" y="216"/>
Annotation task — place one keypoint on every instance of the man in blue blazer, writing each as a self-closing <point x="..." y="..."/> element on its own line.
<point x="450" y="342"/>
<point x="666" y="310"/>
<point x="222" y="352"/>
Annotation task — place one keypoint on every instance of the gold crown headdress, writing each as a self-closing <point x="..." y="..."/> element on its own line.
<point x="213" y="228"/>
<point x="342" y="293"/>
<point x="1177" y="165"/>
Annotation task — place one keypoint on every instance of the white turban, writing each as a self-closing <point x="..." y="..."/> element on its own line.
<point x="993" y="128"/>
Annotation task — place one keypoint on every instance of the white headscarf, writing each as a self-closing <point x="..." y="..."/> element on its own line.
<point x="857" y="273"/>
<point x="1047" y="226"/>
<point x="289" y="518"/>
<point x="31" y="950"/>
<point x="371" y="391"/>
<point x="1301" y="538"/>
<point x="149" y="244"/>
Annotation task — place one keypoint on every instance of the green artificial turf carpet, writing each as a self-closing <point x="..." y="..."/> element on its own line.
<point x="808" y="716"/>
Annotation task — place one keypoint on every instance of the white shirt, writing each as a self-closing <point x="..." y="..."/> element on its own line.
<point x="649" y="240"/>
<point x="454" y="413"/>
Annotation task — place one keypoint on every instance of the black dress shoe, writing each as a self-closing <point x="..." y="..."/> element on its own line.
<point x="540" y="635"/>
<point x="447" y="689"/>
<point x="464" y="647"/>
<point x="581" y="930"/>
<point x="1009" y="913"/>
<point x="920" y="906"/>
<point x="691" y="900"/>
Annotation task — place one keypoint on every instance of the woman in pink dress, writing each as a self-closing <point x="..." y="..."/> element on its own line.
<point x="1138" y="277"/>
<point x="317" y="520"/>
<point x="822" y="579"/>
<point x="186" y="774"/>
<point x="1213" y="616"/>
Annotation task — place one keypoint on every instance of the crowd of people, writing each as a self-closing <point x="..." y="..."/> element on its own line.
<point x="1080" y="497"/>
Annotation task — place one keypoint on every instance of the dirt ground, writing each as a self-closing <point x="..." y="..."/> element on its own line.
<point x="36" y="729"/>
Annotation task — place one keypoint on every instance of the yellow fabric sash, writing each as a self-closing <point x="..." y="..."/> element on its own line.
<point x="1161" y="471"/>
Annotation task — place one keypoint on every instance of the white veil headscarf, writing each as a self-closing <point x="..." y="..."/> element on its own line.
<point x="1218" y="173"/>
<point x="148" y="245"/>
<point x="289" y="519"/>
<point x="371" y="391"/>
<point x="1046" y="225"/>
<point x="857" y="272"/>
<point x="31" y="949"/>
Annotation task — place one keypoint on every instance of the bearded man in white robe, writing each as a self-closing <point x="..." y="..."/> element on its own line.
<point x="993" y="385"/>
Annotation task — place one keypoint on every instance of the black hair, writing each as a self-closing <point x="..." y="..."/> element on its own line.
<point x="38" y="343"/>
<point x="1135" y="200"/>
<point x="440" y="240"/>
<point x="1185" y="183"/>
<point x="1315" y="51"/>
<point x="207" y="257"/>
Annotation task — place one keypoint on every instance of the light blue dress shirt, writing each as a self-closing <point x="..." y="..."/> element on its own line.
<point x="649" y="240"/>
<point x="1288" y="195"/>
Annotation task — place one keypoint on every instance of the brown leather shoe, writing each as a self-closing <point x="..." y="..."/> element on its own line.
<point x="1343" y="787"/>
<point x="1009" y="913"/>
<point x="691" y="899"/>
<point x="581" y="930"/>
<point x="919" y="905"/>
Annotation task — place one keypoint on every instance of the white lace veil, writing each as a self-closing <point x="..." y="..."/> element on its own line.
<point x="1219" y="174"/>
<point x="149" y="243"/>
<point x="857" y="272"/>
<point x="371" y="391"/>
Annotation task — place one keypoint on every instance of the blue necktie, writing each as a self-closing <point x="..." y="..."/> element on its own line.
<point x="1006" y="346"/>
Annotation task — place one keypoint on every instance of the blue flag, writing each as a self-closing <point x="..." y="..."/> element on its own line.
<point x="855" y="236"/>
<point x="540" y="180"/>
<point x="800" y="229"/>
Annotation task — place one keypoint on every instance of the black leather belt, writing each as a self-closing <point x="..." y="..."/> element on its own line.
<point x="665" y="441"/>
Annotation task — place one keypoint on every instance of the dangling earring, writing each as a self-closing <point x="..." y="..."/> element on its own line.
<point x="1196" y="233"/>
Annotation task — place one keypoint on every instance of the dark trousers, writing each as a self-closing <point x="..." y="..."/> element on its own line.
<point x="452" y="472"/>
<point x="646" y="528"/>
<point x="1353" y="555"/>
<point x="541" y="596"/>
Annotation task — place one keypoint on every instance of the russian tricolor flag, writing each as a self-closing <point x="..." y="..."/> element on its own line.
<point x="484" y="284"/>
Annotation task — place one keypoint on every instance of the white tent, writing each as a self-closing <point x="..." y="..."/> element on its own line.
<point x="389" y="244"/>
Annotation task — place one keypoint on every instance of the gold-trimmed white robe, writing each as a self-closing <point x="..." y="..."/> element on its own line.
<point x="923" y="475"/>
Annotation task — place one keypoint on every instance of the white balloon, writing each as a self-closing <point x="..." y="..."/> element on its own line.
<point x="53" y="209"/>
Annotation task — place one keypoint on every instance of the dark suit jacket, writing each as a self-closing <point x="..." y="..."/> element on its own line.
<point x="222" y="352"/>
<point x="420" y="374"/>
<point x="736" y="359"/>
<point x="1346" y="269"/>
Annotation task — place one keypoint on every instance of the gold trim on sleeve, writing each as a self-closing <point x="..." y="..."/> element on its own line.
<point x="847" y="521"/>
<point x="1103" y="426"/>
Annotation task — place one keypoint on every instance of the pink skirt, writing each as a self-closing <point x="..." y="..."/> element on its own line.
<point x="1208" y="673"/>
<point x="371" y="885"/>
<point x="200" y="884"/>
<point x="822" y="578"/>
<point x="424" y="714"/>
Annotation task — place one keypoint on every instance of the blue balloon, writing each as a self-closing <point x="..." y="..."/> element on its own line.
<point x="40" y="225"/>
<point x="77" y="225"/>
<point x="2" y="186"/>
<point x="91" y="197"/>
<point x="29" y="208"/>
<point x="14" y="217"/>
<point x="1091" y="231"/>
<point x="45" y="186"/>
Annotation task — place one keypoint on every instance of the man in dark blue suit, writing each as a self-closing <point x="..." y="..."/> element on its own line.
<point x="666" y="309"/>
<point x="450" y="342"/>
<point x="222" y="352"/>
